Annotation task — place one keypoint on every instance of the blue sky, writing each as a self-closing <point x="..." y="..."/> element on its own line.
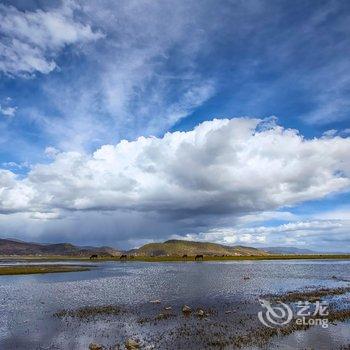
<point x="77" y="78"/>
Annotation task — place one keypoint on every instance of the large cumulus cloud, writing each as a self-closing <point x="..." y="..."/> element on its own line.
<point x="230" y="166"/>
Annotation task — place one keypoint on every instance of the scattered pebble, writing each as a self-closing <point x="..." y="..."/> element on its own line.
<point x="186" y="309"/>
<point x="132" y="344"/>
<point x="200" y="313"/>
<point x="157" y="301"/>
<point x="95" y="346"/>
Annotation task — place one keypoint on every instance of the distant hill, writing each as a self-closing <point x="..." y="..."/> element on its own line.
<point x="288" y="250"/>
<point x="181" y="247"/>
<point x="172" y="247"/>
<point x="16" y="247"/>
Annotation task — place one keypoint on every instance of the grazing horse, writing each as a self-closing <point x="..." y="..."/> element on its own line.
<point x="93" y="256"/>
<point x="184" y="257"/>
<point x="199" y="257"/>
<point x="123" y="257"/>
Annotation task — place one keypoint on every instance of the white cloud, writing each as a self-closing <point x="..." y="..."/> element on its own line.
<point x="228" y="236"/>
<point x="265" y="216"/>
<point x="339" y="213"/>
<point x="296" y="226"/>
<point x="51" y="152"/>
<point x="223" y="167"/>
<point x="15" y="165"/>
<point x="330" y="133"/>
<point x="14" y="194"/>
<point x="8" y="111"/>
<point x="30" y="40"/>
<point x="312" y="233"/>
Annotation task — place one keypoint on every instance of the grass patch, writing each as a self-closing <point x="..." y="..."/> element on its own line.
<point x="35" y="269"/>
<point x="312" y="294"/>
<point x="240" y="257"/>
<point x="90" y="311"/>
<point x="262" y="336"/>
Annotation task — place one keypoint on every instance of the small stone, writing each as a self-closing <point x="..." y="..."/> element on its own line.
<point x="132" y="344"/>
<point x="157" y="301"/>
<point x="186" y="309"/>
<point x="312" y="299"/>
<point x="246" y="278"/>
<point x="95" y="346"/>
<point x="167" y="308"/>
<point x="228" y="311"/>
<point x="200" y="313"/>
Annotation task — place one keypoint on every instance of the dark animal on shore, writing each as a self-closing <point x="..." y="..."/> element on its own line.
<point x="131" y="257"/>
<point x="184" y="257"/>
<point x="123" y="257"/>
<point x="199" y="257"/>
<point x="93" y="256"/>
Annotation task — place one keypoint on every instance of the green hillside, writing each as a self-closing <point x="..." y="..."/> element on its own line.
<point x="180" y="247"/>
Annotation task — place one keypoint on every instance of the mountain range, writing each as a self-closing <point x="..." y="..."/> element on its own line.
<point x="16" y="247"/>
<point x="288" y="250"/>
<point x="172" y="247"/>
<point x="167" y="248"/>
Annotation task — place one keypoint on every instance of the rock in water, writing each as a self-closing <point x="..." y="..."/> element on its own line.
<point x="132" y="344"/>
<point x="155" y="301"/>
<point x="186" y="309"/>
<point x="94" y="346"/>
<point x="200" y="313"/>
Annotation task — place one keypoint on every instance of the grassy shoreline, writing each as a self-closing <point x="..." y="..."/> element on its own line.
<point x="240" y="258"/>
<point x="179" y="258"/>
<point x="38" y="269"/>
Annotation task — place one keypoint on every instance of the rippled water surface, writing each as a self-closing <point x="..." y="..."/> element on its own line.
<point x="27" y="303"/>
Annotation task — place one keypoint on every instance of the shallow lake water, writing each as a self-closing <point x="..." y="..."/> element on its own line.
<point x="232" y="289"/>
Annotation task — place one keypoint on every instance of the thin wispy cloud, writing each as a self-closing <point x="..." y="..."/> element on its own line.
<point x="32" y="39"/>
